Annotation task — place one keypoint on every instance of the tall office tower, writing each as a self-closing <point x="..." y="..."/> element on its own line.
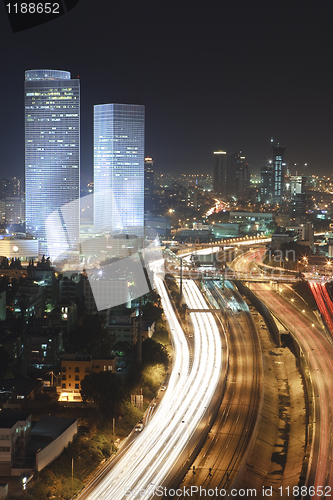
<point x="149" y="183"/>
<point x="297" y="184"/>
<point x="220" y="174"/>
<point x="119" y="167"/>
<point x="278" y="172"/>
<point x="238" y="177"/>
<point x="52" y="160"/>
<point x="266" y="188"/>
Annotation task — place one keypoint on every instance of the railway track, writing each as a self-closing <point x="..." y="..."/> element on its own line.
<point x="221" y="458"/>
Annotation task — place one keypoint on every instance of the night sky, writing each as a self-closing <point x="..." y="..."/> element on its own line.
<point x="212" y="75"/>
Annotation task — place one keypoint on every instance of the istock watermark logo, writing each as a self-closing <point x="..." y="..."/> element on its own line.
<point x="119" y="262"/>
<point x="193" y="491"/>
<point x="24" y="15"/>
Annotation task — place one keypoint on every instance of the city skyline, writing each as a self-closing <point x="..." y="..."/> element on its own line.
<point x="203" y="89"/>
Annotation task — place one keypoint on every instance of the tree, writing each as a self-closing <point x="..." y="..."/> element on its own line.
<point x="122" y="348"/>
<point x="272" y="227"/>
<point x="105" y="389"/>
<point x="88" y="337"/>
<point x="154" y="353"/>
<point x="152" y="311"/>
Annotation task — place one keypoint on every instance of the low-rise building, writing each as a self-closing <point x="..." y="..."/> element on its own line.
<point x="252" y="220"/>
<point x="279" y="238"/>
<point x="17" y="393"/>
<point x="74" y="367"/>
<point x="123" y="324"/>
<point x="304" y="233"/>
<point x="15" y="430"/>
<point x="30" y="299"/>
<point x="43" y="345"/>
<point x="63" y="317"/>
<point x="49" y="438"/>
<point x="19" y="247"/>
<point x="195" y="235"/>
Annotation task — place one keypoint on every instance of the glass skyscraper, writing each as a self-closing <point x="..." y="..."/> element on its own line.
<point x="52" y="160"/>
<point x="119" y="167"/>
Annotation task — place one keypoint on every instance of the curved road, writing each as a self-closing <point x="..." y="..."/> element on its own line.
<point x="150" y="461"/>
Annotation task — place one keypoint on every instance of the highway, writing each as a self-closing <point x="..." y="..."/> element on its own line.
<point x="319" y="356"/>
<point x="318" y="353"/>
<point x="154" y="457"/>
<point x="324" y="303"/>
<point x="249" y="266"/>
<point x="222" y="455"/>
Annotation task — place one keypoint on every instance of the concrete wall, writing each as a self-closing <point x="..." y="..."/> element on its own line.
<point x="273" y="329"/>
<point x="3" y="490"/>
<point x="54" y="449"/>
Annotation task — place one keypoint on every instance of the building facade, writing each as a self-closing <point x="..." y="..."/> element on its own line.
<point x="220" y="174"/>
<point x="119" y="167"/>
<point x="279" y="167"/>
<point x="149" y="183"/>
<point x="15" y="430"/>
<point x="52" y="159"/>
<point x="238" y="177"/>
<point x="74" y="367"/>
<point x="266" y="187"/>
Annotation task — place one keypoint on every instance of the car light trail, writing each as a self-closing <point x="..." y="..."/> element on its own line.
<point x="150" y="460"/>
<point x="319" y="354"/>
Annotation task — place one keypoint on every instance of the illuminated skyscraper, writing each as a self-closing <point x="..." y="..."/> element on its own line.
<point x="118" y="167"/>
<point x="278" y="165"/>
<point x="52" y="159"/>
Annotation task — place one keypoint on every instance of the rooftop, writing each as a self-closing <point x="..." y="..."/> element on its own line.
<point x="9" y="418"/>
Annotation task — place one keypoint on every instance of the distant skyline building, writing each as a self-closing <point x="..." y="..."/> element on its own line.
<point x="52" y="159"/>
<point x="238" y="176"/>
<point x="279" y="167"/>
<point x="149" y="182"/>
<point x="231" y="175"/>
<point x="220" y="174"/>
<point x="266" y="187"/>
<point x="297" y="184"/>
<point x="119" y="167"/>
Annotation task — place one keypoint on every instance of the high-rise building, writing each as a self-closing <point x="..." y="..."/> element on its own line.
<point x="119" y="167"/>
<point x="297" y="184"/>
<point x="231" y="175"/>
<point x="238" y="177"/>
<point x="52" y="159"/>
<point x="149" y="183"/>
<point x="220" y="174"/>
<point x="266" y="188"/>
<point x="279" y="166"/>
